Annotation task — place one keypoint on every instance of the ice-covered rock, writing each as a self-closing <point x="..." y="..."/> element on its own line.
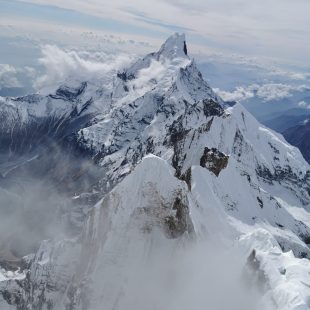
<point x="215" y="174"/>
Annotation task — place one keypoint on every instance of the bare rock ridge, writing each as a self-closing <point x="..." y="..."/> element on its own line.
<point x="214" y="160"/>
<point x="162" y="173"/>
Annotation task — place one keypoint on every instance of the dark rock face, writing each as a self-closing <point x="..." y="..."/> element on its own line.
<point x="177" y="138"/>
<point x="178" y="134"/>
<point x="212" y="108"/>
<point x="185" y="48"/>
<point x="286" y="177"/>
<point x="69" y="93"/>
<point x="187" y="177"/>
<point x="260" y="202"/>
<point x="173" y="224"/>
<point x="240" y="145"/>
<point x="214" y="160"/>
<point x="125" y="77"/>
<point x="177" y="225"/>
<point x="61" y="149"/>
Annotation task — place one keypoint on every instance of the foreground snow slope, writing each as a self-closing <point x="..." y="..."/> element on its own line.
<point x="220" y="194"/>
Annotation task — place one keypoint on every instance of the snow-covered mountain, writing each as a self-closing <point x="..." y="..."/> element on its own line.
<point x="288" y="119"/>
<point x="196" y="196"/>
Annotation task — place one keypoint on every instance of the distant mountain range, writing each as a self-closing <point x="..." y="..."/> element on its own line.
<point x="300" y="137"/>
<point x="176" y="199"/>
<point x="281" y="121"/>
<point x="294" y="125"/>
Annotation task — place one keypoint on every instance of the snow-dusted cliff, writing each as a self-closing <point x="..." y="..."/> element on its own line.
<point x="220" y="194"/>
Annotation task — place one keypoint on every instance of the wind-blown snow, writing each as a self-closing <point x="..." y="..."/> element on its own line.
<point x="192" y="188"/>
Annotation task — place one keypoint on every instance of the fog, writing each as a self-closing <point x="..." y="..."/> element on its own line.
<point x="198" y="276"/>
<point x="30" y="211"/>
<point x="36" y="198"/>
<point x="37" y="187"/>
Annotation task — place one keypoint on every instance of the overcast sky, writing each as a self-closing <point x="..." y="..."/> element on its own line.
<point x="264" y="28"/>
<point x="243" y="47"/>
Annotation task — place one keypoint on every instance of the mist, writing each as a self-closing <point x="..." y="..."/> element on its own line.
<point x="46" y="191"/>
<point x="200" y="275"/>
<point x="43" y="198"/>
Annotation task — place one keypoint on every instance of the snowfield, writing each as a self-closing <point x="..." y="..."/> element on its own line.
<point x="202" y="206"/>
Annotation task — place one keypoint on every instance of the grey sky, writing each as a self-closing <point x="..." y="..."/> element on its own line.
<point x="277" y="29"/>
<point x="238" y="43"/>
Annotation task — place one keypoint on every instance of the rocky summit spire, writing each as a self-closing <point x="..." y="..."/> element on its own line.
<point x="174" y="47"/>
<point x="174" y="167"/>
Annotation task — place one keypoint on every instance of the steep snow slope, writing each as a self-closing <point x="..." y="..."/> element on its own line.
<point x="218" y="182"/>
<point x="143" y="240"/>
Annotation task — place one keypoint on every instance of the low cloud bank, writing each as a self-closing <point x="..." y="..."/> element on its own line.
<point x="61" y="66"/>
<point x="266" y="92"/>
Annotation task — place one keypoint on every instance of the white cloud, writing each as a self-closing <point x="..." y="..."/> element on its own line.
<point x="239" y="94"/>
<point x="155" y="71"/>
<point x="304" y="104"/>
<point x="266" y="92"/>
<point x="61" y="66"/>
<point x="261" y="27"/>
<point x="8" y="76"/>
<point x="270" y="92"/>
<point x="14" y="77"/>
<point x="30" y="72"/>
<point x="289" y="74"/>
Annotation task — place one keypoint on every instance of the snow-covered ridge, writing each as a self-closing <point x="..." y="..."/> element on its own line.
<point x="179" y="166"/>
